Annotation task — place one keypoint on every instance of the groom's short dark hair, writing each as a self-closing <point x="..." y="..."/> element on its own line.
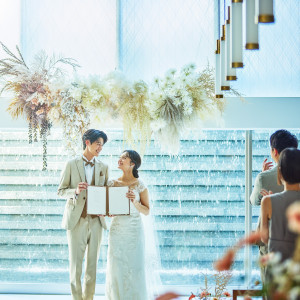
<point x="93" y="135"/>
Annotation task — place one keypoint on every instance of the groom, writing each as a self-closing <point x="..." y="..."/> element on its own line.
<point x="84" y="232"/>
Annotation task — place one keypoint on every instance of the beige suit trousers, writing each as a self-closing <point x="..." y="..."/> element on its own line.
<point x="84" y="237"/>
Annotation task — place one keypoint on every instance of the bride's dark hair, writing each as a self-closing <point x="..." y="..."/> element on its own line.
<point x="136" y="159"/>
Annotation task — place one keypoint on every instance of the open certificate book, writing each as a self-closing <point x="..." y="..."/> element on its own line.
<point x="104" y="200"/>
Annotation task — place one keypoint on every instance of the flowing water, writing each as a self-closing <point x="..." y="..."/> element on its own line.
<point x="197" y="199"/>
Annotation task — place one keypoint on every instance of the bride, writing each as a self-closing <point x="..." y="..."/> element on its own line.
<point x="126" y="276"/>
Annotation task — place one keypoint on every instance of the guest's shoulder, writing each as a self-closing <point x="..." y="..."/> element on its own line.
<point x="269" y="173"/>
<point x="268" y="178"/>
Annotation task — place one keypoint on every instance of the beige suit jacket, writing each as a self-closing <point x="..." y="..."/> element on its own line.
<point x="72" y="174"/>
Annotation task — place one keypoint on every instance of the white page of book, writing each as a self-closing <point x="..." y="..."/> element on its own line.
<point x="118" y="202"/>
<point x="96" y="201"/>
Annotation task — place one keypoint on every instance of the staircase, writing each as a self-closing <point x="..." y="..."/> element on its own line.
<point x="197" y="199"/>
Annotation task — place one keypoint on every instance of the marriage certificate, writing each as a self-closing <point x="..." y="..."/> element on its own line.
<point x="104" y="200"/>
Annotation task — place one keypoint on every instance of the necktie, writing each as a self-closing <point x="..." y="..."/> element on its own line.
<point x="88" y="162"/>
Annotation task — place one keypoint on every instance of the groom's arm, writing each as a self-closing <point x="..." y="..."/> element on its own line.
<point x="64" y="189"/>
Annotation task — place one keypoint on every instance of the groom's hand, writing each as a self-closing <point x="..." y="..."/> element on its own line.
<point x="81" y="187"/>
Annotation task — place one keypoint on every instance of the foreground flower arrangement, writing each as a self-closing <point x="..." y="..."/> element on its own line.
<point x="221" y="280"/>
<point x="44" y="95"/>
<point x="284" y="283"/>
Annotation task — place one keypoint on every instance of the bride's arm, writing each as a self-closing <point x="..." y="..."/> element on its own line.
<point x="143" y="206"/>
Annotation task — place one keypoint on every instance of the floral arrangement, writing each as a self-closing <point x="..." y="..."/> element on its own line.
<point x="284" y="282"/>
<point x="44" y="95"/>
<point x="74" y="117"/>
<point x="33" y="89"/>
<point x="178" y="100"/>
<point x="221" y="280"/>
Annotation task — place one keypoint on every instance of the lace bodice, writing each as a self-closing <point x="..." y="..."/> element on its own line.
<point x="138" y="187"/>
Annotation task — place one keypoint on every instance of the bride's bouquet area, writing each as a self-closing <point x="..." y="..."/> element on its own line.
<point x="45" y="94"/>
<point x="283" y="277"/>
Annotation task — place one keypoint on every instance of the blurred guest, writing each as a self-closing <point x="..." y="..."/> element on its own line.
<point x="266" y="181"/>
<point x="274" y="224"/>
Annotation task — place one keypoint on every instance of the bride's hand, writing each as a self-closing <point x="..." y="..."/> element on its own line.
<point x="130" y="195"/>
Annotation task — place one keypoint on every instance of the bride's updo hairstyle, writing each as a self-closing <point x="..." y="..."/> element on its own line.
<point x="289" y="166"/>
<point x="136" y="159"/>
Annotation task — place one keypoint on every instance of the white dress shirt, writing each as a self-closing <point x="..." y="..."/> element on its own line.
<point x="89" y="170"/>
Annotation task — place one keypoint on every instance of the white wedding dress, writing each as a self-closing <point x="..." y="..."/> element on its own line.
<point x="125" y="275"/>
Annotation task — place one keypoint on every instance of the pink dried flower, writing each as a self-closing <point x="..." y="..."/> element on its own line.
<point x="35" y="101"/>
<point x="167" y="296"/>
<point x="226" y="294"/>
<point x="226" y="261"/>
<point x="253" y="238"/>
<point x="204" y="294"/>
<point x="40" y="111"/>
<point x="293" y="215"/>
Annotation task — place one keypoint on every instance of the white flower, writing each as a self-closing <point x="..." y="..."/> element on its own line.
<point x="54" y="114"/>
<point x="171" y="93"/>
<point x="281" y="279"/>
<point x="114" y="98"/>
<point x="187" y="100"/>
<point x="294" y="293"/>
<point x="42" y="99"/>
<point x="185" y="93"/>
<point x="187" y="110"/>
<point x="76" y="93"/>
<point x="94" y="95"/>
<point x="171" y="73"/>
<point x="158" y="124"/>
<point x="177" y="101"/>
<point x="274" y="258"/>
<point x="32" y="97"/>
<point x="293" y="267"/>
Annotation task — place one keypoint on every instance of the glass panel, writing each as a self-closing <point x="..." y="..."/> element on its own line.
<point x="159" y="35"/>
<point x="10" y="18"/>
<point x="197" y="199"/>
<point x="274" y="69"/>
<point x="83" y="30"/>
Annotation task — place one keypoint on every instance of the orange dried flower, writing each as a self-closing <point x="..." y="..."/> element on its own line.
<point x="226" y="261"/>
<point x="192" y="297"/>
<point x="253" y="238"/>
